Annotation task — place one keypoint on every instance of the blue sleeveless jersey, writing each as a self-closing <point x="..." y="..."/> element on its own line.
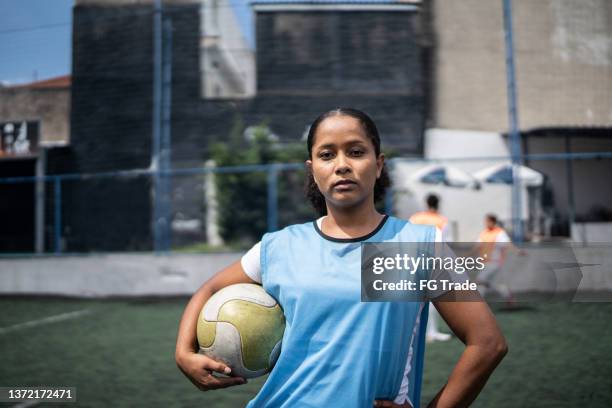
<point x="336" y="350"/>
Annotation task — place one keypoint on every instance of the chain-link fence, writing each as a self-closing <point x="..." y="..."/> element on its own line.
<point x="212" y="208"/>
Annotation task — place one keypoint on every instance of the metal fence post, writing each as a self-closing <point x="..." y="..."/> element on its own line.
<point x="156" y="118"/>
<point x="165" y="156"/>
<point x="272" y="197"/>
<point x="389" y="192"/>
<point x="39" y="202"/>
<point x="569" y="174"/>
<point x="57" y="184"/>
<point x="161" y="146"/>
<point x="515" y="136"/>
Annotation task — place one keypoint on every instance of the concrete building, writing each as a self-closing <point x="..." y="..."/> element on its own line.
<point x="563" y="56"/>
<point x="46" y="102"/>
<point x="112" y="116"/>
<point x="315" y="56"/>
<point x="34" y="124"/>
<point x="227" y="60"/>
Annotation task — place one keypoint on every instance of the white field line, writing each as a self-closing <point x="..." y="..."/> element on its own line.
<point x="43" y="321"/>
<point x="26" y="404"/>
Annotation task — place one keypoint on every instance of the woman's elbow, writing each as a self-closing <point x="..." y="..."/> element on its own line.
<point x="495" y="346"/>
<point x="498" y="349"/>
<point x="501" y="348"/>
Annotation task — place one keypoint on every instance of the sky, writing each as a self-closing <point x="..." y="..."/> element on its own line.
<point x="35" y="38"/>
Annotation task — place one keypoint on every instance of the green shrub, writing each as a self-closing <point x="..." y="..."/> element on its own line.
<point x="243" y="198"/>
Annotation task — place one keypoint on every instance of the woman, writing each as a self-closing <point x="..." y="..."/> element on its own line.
<point x="336" y="350"/>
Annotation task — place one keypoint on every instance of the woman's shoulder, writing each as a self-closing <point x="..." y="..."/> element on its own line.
<point x="298" y="229"/>
<point x="409" y="230"/>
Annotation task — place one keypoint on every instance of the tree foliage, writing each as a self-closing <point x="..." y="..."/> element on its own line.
<point x="243" y="197"/>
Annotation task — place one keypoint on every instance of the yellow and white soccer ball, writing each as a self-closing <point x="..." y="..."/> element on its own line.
<point x="242" y="326"/>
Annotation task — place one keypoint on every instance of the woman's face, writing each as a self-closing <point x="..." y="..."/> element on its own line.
<point x="343" y="162"/>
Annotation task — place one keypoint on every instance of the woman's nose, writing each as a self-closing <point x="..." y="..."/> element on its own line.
<point x="342" y="165"/>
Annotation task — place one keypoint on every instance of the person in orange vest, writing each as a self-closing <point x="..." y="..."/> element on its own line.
<point x="431" y="216"/>
<point x="493" y="246"/>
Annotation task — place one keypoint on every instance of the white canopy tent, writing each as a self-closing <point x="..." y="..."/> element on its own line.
<point x="502" y="174"/>
<point x="443" y="174"/>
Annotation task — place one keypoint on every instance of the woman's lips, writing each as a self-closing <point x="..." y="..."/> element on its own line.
<point x="344" y="185"/>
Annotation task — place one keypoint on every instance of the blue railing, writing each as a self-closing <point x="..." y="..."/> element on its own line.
<point x="273" y="170"/>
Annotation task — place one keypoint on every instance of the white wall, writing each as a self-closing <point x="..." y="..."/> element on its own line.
<point x="111" y="274"/>
<point x="182" y="274"/>
<point x="592" y="232"/>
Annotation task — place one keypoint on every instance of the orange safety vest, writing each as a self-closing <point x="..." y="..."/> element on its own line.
<point x="488" y="238"/>
<point x="429" y="218"/>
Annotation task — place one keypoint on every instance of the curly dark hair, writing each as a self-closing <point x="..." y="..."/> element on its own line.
<point x="317" y="200"/>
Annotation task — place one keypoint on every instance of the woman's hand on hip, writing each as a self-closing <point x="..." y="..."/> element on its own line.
<point x="391" y="404"/>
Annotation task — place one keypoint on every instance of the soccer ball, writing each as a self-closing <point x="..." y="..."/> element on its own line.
<point x="242" y="326"/>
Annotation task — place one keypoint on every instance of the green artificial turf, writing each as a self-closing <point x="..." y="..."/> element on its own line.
<point x="121" y="353"/>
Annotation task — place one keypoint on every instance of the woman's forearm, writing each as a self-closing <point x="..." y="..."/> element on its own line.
<point x="470" y="374"/>
<point x="186" y="339"/>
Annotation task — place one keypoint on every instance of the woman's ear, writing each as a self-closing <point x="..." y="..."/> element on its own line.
<point x="380" y="162"/>
<point x="309" y="168"/>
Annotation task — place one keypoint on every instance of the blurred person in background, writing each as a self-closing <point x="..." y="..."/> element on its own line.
<point x="493" y="243"/>
<point x="432" y="216"/>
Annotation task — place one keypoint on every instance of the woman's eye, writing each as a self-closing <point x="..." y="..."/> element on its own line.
<point x="357" y="152"/>
<point x="326" y="155"/>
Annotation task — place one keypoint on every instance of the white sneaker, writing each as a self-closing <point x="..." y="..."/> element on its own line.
<point x="437" y="336"/>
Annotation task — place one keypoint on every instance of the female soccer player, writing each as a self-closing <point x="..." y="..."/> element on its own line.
<point x="338" y="351"/>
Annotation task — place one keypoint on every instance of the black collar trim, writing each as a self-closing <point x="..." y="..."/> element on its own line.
<point x="357" y="239"/>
